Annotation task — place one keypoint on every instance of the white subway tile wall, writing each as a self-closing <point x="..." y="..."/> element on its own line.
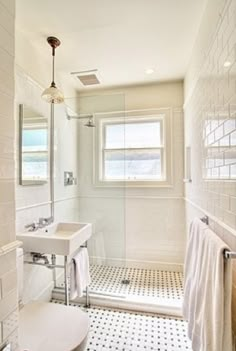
<point x="210" y="123"/>
<point x="8" y="279"/>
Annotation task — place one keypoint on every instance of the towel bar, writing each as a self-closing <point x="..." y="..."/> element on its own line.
<point x="205" y="220"/>
<point x="64" y="266"/>
<point x="227" y="254"/>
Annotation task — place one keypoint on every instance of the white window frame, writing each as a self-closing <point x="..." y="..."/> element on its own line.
<point x="102" y="119"/>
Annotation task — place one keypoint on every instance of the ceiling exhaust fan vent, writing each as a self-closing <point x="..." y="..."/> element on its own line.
<point x="87" y="77"/>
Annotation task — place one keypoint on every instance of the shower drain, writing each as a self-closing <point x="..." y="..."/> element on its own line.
<point x="125" y="281"/>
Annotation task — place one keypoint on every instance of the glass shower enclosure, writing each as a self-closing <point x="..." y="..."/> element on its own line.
<point x="116" y="147"/>
<point x="101" y="200"/>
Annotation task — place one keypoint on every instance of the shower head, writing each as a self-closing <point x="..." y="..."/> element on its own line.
<point x="90" y="118"/>
<point x="90" y="123"/>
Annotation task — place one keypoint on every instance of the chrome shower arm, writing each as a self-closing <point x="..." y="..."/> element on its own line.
<point x="79" y="117"/>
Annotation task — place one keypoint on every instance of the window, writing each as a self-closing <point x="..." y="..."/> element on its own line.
<point x="132" y="149"/>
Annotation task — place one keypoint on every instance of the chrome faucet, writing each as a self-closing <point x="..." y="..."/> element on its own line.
<point x="32" y="226"/>
<point x="42" y="222"/>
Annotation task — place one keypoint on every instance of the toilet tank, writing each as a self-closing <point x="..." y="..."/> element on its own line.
<point x="20" y="272"/>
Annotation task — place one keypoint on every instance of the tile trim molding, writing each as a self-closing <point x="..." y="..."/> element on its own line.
<point x="46" y="203"/>
<point x="213" y="218"/>
<point x="10" y="247"/>
<point x="141" y="197"/>
<point x="127" y="197"/>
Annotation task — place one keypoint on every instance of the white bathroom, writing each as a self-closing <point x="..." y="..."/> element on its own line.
<point x="118" y="175"/>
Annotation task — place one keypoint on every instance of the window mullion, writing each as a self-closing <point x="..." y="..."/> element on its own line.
<point x="134" y="148"/>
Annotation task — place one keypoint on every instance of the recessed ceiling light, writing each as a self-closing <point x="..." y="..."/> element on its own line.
<point x="149" y="71"/>
<point x="227" y="64"/>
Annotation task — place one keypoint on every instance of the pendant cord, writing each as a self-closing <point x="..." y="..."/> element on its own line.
<point x="53" y="65"/>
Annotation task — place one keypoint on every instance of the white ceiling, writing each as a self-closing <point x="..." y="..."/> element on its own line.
<point x="120" y="38"/>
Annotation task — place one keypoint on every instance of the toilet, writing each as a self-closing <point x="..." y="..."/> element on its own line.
<point x="48" y="326"/>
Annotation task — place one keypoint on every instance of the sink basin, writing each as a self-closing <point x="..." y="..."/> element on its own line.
<point x="57" y="238"/>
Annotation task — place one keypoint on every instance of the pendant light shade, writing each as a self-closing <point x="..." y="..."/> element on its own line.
<point x="52" y="94"/>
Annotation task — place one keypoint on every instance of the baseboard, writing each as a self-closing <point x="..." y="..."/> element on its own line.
<point x="46" y="294"/>
<point x="162" y="266"/>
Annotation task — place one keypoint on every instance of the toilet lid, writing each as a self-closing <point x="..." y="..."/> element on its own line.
<point x="50" y="326"/>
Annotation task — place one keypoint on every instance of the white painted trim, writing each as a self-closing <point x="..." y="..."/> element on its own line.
<point x="67" y="198"/>
<point x="33" y="206"/>
<point x="211" y="217"/>
<point x="125" y="197"/>
<point x="167" y="115"/>
<point x="46" y="203"/>
<point x="46" y="293"/>
<point x="177" y="109"/>
<point x="10" y="247"/>
<point x="124" y="262"/>
<point x="141" y="197"/>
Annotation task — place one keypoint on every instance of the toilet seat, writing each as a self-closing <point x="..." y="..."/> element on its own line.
<point x="52" y="327"/>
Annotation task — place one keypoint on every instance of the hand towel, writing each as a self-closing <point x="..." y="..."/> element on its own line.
<point x="212" y="329"/>
<point x="80" y="276"/>
<point x="191" y="268"/>
<point x="207" y="290"/>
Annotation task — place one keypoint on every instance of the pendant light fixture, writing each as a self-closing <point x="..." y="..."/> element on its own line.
<point x="52" y="94"/>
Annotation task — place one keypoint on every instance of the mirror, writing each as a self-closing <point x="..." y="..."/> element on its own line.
<point x="33" y="147"/>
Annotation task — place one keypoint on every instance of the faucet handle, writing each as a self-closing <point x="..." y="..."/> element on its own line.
<point x="41" y="221"/>
<point x="45" y="221"/>
<point x="32" y="226"/>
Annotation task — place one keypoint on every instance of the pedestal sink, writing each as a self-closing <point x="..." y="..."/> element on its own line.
<point x="57" y="238"/>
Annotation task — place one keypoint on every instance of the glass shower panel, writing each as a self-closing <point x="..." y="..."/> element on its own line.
<point x="101" y="199"/>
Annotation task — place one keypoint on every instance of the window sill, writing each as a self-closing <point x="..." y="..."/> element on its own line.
<point x="133" y="184"/>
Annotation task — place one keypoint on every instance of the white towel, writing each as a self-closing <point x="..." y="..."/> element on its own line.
<point x="209" y="313"/>
<point x="191" y="267"/>
<point x="79" y="276"/>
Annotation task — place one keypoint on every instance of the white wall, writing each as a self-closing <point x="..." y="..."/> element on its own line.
<point x="210" y="98"/>
<point x="8" y="278"/>
<point x="33" y="202"/>
<point x="145" y="225"/>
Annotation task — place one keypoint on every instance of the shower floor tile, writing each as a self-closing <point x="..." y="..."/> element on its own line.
<point x="143" y="283"/>
<point x="127" y="331"/>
